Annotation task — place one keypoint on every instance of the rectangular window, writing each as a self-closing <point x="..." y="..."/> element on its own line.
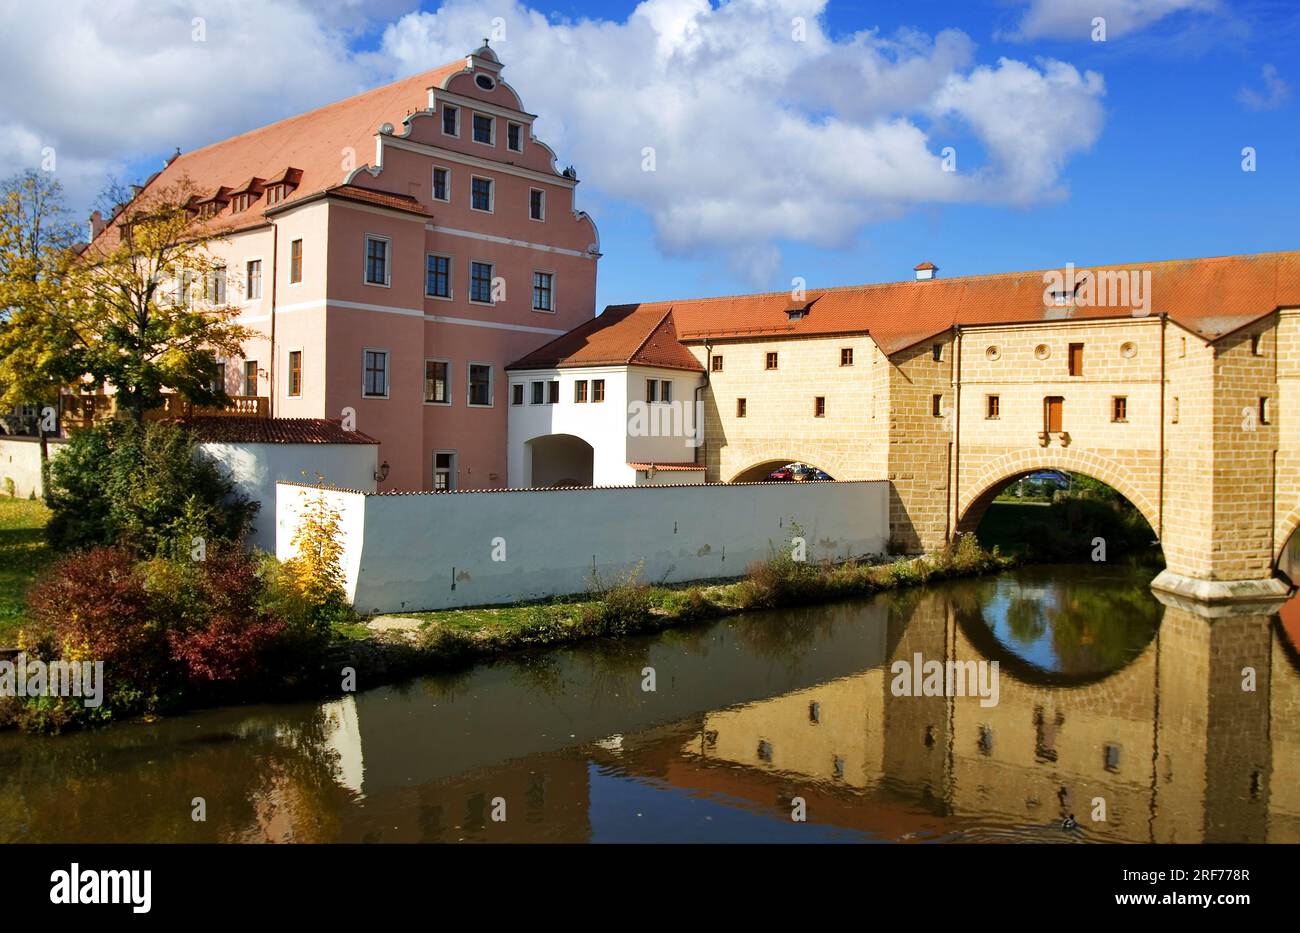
<point x="715" y="364"/>
<point x="770" y="362"/>
<point x="295" y="373"/>
<point x="214" y="286"/>
<point x="1182" y="346"/>
<point x="741" y="407"/>
<point x="542" y="299"/>
<point x="253" y="279"/>
<point x="514" y="137"/>
<point x="1173" y="410"/>
<point x="598" y="390"/>
<point x="1076" y="359"/>
<point x="665" y="390"/>
<point x="437" y="382"/>
<point x="275" y="194"/>
<point x="553" y="392"/>
<point x="295" y="262"/>
<point x="376" y="260"/>
<point x="375" y="383"/>
<point x="539" y="393"/>
<point x="1265" y="409"/>
<point x="992" y="407"/>
<point x="1053" y="414"/>
<point x="652" y="390"/>
<point x="480" y="282"/>
<point x="437" y="276"/>
<point x="250" y="378"/>
<point x="846" y="356"/>
<point x="219" y="381"/>
<point x="444" y="471"/>
<point x="517" y="393"/>
<point x="480" y="384"/>
<point x="536" y="204"/>
<point x="819" y="407"/>
<point x="936" y="406"/>
<point x="484" y="129"/>
<point x="580" y="391"/>
<point x="937" y="352"/>
<point x="1256" y="344"/>
<point x="480" y="194"/>
<point x="1119" y="408"/>
<point x="441" y="184"/>
<point x="450" y="120"/>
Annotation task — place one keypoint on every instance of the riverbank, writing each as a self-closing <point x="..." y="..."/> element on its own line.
<point x="388" y="648"/>
<point x="418" y="642"/>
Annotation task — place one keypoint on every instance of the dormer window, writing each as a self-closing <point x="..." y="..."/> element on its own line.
<point x="795" y="314"/>
<point x="241" y="202"/>
<point x="275" y="194"/>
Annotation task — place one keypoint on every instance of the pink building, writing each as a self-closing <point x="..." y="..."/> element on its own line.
<point x="395" y="251"/>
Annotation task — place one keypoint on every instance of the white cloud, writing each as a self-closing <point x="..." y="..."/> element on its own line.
<point x="758" y="138"/>
<point x="1073" y="19"/>
<point x="1276" y="92"/>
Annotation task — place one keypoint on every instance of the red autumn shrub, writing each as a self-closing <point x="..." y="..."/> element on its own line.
<point x="96" y="607"/>
<point x="229" y="639"/>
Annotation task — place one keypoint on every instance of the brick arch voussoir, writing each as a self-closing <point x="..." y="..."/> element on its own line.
<point x="997" y="472"/>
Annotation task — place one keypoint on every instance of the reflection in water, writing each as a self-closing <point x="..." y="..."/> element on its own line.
<point x="1108" y="699"/>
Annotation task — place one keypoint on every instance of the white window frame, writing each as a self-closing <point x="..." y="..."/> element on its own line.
<point x="451" y="470"/>
<point x="243" y="379"/>
<point x="510" y="123"/>
<point x="261" y="277"/>
<point x="492" y="194"/>
<point x="388" y="261"/>
<point x="451" y="277"/>
<point x="469" y="294"/>
<point x="442" y="125"/>
<point x="469" y="369"/>
<point x="450" y="384"/>
<point x="665" y="383"/>
<point x="531" y="286"/>
<point x="433" y="187"/>
<point x="492" y="129"/>
<point x="288" y="371"/>
<point x="388" y="360"/>
<point x="542" y="192"/>
<point x="523" y="394"/>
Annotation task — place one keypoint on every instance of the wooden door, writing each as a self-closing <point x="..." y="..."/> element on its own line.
<point x="1052" y="413"/>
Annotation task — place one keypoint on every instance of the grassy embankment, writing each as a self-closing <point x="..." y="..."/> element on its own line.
<point x="613" y="608"/>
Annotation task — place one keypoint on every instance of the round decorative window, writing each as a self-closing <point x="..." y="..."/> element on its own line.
<point x="1128" y="350"/>
<point x="992" y="353"/>
<point x="1042" y="352"/>
<point x="485" y="82"/>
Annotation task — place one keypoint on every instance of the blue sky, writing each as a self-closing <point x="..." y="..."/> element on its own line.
<point x="1126" y="150"/>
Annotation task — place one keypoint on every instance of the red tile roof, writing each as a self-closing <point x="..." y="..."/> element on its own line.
<point x="308" y="144"/>
<point x="235" y="430"/>
<point x="643" y="335"/>
<point x="1210" y="297"/>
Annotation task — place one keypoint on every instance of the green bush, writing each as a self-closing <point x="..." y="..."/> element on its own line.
<point x="145" y="486"/>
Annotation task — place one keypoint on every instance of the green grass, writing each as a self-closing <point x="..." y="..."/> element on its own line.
<point x="23" y="555"/>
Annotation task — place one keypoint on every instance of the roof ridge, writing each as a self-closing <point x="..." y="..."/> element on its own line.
<point x="961" y="279"/>
<point x="650" y="333"/>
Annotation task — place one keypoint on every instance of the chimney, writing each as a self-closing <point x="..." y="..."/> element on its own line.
<point x="97" y="225"/>
<point x="925" y="270"/>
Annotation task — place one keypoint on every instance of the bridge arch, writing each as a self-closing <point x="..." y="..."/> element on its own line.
<point x="758" y="470"/>
<point x="978" y="494"/>
<point x="1287" y="558"/>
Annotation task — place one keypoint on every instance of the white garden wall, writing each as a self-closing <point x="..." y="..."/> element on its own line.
<point x="20" y="461"/>
<point x="414" y="551"/>
<point x="255" y="468"/>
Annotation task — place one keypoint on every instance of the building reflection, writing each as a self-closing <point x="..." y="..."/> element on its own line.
<point x="1174" y="743"/>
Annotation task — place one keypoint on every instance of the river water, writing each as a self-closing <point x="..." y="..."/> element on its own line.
<point x="1145" y="722"/>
